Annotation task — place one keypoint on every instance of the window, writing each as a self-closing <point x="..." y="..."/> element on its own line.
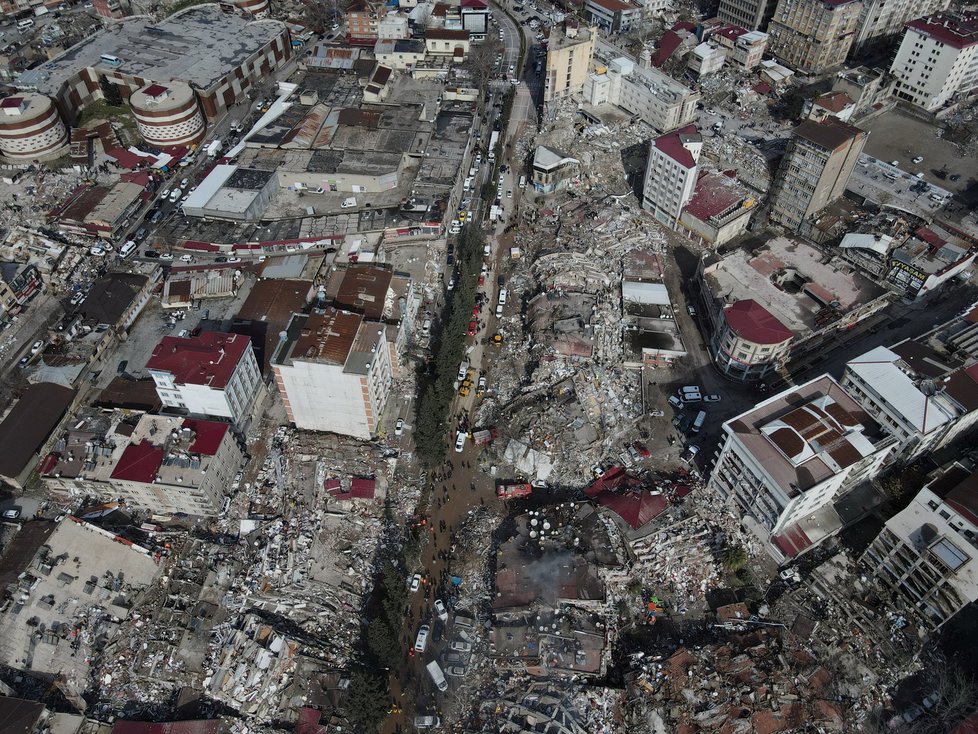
<point x="945" y="514"/>
<point x="933" y="505"/>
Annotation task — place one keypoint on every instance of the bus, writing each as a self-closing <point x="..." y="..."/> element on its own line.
<point x="493" y="142"/>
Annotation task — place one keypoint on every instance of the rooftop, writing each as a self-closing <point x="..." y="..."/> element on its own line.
<point x="806" y="435"/>
<point x="169" y="450"/>
<point x="332" y="336"/>
<point x="959" y="30"/>
<point x="716" y="195"/>
<point x="751" y="321"/>
<point x="830" y="133"/>
<point x="29" y="424"/>
<point x="209" y="359"/>
<point x="365" y="289"/>
<point x="792" y="281"/>
<point x="198" y="46"/>
<point x="675" y="145"/>
<point x="834" y="101"/>
<point x="918" y="401"/>
<point x="546" y="158"/>
<point x="111" y="296"/>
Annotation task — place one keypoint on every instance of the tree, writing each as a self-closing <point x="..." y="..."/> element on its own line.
<point x="733" y="557"/>
<point x="369" y="699"/>
<point x="481" y="62"/>
<point x="110" y="92"/>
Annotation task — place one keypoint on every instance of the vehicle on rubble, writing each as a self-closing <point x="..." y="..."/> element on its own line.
<point x="690" y="453"/>
<point x="426" y="721"/>
<point x="512" y="491"/>
<point x="415" y="582"/>
<point x="482" y="436"/>
<point x="789" y="575"/>
<point x="434" y="670"/>
<point x="460" y="646"/>
<point x="440" y="610"/>
<point x="399" y="427"/>
<point x="456" y="671"/>
<point x="421" y="642"/>
<point x="463" y="392"/>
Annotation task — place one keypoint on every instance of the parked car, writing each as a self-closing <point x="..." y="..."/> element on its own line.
<point x="122" y="366"/>
<point x="690" y="453"/>
<point x="918" y="159"/>
<point x="711" y="398"/>
<point x="460" y="646"/>
<point x="11" y="514"/>
<point x="187" y="258"/>
<point x="691" y="311"/>
<point x="440" y="610"/>
<point x="421" y="642"/>
<point x="399" y="427"/>
<point x="37" y="346"/>
<point x="456" y="671"/>
<point x="415" y="582"/>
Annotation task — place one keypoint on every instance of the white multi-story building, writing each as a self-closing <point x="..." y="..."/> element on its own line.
<point x="742" y="47"/>
<point x="706" y="59"/>
<point x="915" y="395"/>
<point x="213" y="374"/>
<point x="927" y="555"/>
<point x="881" y="21"/>
<point x="786" y="461"/>
<point x="333" y="369"/>
<point x="649" y="94"/>
<point x="614" y="16"/>
<point x="750" y="14"/>
<point x="938" y="60"/>
<point x="670" y="175"/>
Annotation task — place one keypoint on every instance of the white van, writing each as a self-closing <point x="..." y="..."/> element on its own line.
<point x="502" y="296"/>
<point x="127" y="249"/>
<point x="522" y="182"/>
<point x="463" y="370"/>
<point x="421" y="643"/>
<point x="24" y="24"/>
<point x="176" y="194"/>
<point x="698" y="423"/>
<point x="467" y="185"/>
<point x="460" y="442"/>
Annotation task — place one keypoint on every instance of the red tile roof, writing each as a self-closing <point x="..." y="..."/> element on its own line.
<point x="635" y="508"/>
<point x="139" y="463"/>
<point x="959" y="30"/>
<point x="714" y="194"/>
<point x="834" y="101"/>
<point x="763" y="88"/>
<point x="672" y="145"/>
<point x="751" y="321"/>
<point x="360" y="489"/>
<point x="209" y="435"/>
<point x="733" y="32"/>
<point x="613" y="6"/>
<point x="668" y="44"/>
<point x="209" y="359"/>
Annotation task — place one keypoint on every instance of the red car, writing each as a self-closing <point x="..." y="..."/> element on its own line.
<point x="482" y="280"/>
<point x="476" y="309"/>
<point x="472" y="328"/>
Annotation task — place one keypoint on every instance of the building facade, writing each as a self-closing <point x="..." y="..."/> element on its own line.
<point x="927" y="555"/>
<point x="213" y="374"/>
<point x="785" y="462"/>
<point x="172" y="464"/>
<point x="882" y="21"/>
<point x="569" y="55"/>
<point x="649" y="94"/>
<point x="813" y="35"/>
<point x="168" y="114"/>
<point x="815" y="169"/>
<point x="670" y="175"/>
<point x="924" y="408"/>
<point x="363" y="22"/>
<point x="937" y="62"/>
<point x="333" y="370"/>
<point x="31" y="128"/>
<point x="613" y="16"/>
<point x="750" y="14"/>
<point x="742" y="47"/>
<point x="18" y="284"/>
<point x="750" y="343"/>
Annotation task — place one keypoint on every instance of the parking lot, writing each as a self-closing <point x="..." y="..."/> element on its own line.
<point x="896" y="136"/>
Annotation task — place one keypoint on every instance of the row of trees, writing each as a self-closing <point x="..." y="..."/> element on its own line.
<point x="436" y="397"/>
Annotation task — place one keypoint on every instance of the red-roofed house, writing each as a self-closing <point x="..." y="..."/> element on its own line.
<point x="750" y="341"/>
<point x="830" y="104"/>
<point x="671" y="173"/>
<point x="214" y="374"/>
<point x="928" y="553"/>
<point x="719" y="210"/>
<point x="949" y="43"/>
<point x="172" y="464"/>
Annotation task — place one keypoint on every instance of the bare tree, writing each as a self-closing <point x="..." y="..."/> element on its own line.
<point x="481" y="62"/>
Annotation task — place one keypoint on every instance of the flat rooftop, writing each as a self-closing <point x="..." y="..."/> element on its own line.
<point x="790" y="279"/>
<point x="806" y="435"/>
<point x="198" y="46"/>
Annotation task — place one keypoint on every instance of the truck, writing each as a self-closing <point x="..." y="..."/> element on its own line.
<point x="482" y="436"/>
<point x="493" y="142"/>
<point x="213" y="148"/>
<point x="434" y="670"/>
<point x="511" y="491"/>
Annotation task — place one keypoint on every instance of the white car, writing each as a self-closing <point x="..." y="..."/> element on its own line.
<point x="711" y="398"/>
<point x="509" y="193"/>
<point x="96" y="250"/>
<point x="422" y="640"/>
<point x="460" y="442"/>
<point x="399" y="427"/>
<point x="440" y="610"/>
<point x="37" y="346"/>
<point x="415" y="582"/>
<point x="459" y="646"/>
<point x="918" y="159"/>
<point x="188" y="258"/>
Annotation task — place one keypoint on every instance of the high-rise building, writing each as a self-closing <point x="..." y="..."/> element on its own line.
<point x="785" y="463"/>
<point x="568" y="59"/>
<point x="813" y="35"/>
<point x="214" y="374"/>
<point x="927" y="555"/>
<point x="815" y="169"/>
<point x="937" y="60"/>
<point x="881" y="21"/>
<point x="334" y="372"/>
<point x="670" y="175"/>
<point x="750" y="14"/>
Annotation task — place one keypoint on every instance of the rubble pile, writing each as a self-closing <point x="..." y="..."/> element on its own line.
<point x="557" y="709"/>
